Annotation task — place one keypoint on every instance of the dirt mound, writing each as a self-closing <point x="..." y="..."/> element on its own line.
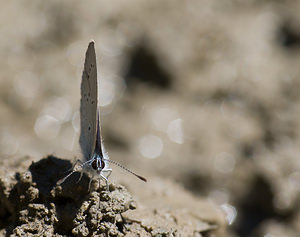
<point x="33" y="205"/>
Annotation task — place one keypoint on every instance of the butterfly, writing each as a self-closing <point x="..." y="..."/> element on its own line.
<point x="95" y="158"/>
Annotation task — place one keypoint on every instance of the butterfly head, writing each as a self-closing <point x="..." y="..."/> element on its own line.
<point x="98" y="164"/>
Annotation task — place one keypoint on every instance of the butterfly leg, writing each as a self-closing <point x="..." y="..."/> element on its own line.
<point x="80" y="177"/>
<point x="106" y="181"/>
<point x="78" y="161"/>
<point x="91" y="179"/>
<point x="74" y="165"/>
<point x="107" y="171"/>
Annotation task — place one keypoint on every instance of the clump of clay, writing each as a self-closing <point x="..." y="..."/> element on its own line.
<point x="32" y="204"/>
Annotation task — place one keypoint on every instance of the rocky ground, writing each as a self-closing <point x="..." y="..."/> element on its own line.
<point x="201" y="97"/>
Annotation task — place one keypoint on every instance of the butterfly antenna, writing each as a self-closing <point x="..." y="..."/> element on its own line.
<point x="128" y="170"/>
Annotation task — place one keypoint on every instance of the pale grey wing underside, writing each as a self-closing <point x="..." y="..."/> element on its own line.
<point x="88" y="104"/>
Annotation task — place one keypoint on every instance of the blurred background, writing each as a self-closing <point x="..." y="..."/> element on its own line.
<point x="205" y="93"/>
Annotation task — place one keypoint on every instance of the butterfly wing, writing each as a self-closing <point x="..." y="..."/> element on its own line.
<point x="88" y="104"/>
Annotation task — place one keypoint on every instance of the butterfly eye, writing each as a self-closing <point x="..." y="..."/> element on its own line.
<point x="94" y="164"/>
<point x="102" y="165"/>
